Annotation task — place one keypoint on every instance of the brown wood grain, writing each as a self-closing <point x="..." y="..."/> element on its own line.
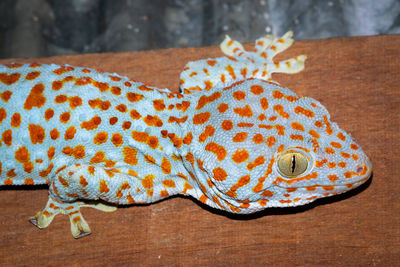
<point x="357" y="79"/>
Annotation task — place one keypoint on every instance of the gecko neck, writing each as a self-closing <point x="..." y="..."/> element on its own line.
<point x="162" y="138"/>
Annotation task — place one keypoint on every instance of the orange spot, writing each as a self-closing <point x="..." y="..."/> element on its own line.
<point x="279" y="108"/>
<point x="11" y="173"/>
<point x="227" y="125"/>
<point x="165" y="165"/>
<point x="169" y="183"/>
<point x="117" y="139"/>
<point x="303" y="111"/>
<point x="93" y="123"/>
<point x="70" y="133"/>
<point x="32" y="75"/>
<point x="318" y="124"/>
<point x="297" y="126"/>
<point x="278" y="94"/>
<point x="244" y="124"/>
<point x="208" y="85"/>
<point x="187" y="140"/>
<point x="189" y="157"/>
<point x="204" y="100"/>
<point x="177" y="120"/>
<point x="354" y="147"/>
<point x="257" y="162"/>
<point x="134" y="97"/>
<point x="209" y="131"/>
<point x="231" y="72"/>
<point x="201" y="118"/>
<point x="354" y="156"/>
<point x="101" y="86"/>
<point x="329" y="150"/>
<point x="121" y="108"/>
<point x="244" y="112"/>
<point x="3" y="114"/>
<point x="126" y="125"/>
<point x="220" y="174"/>
<point x="264" y="103"/>
<point x="240" y="183"/>
<point x="22" y="156"/>
<point x="147" y="182"/>
<point x="271" y="140"/>
<point x="77" y="152"/>
<point x="256" y="89"/>
<point x="153" y="121"/>
<point x="149" y="159"/>
<point x="223" y="78"/>
<point x="51" y="152"/>
<point x="345" y="155"/>
<point x="100" y="138"/>
<point x="63" y="69"/>
<point x="243" y="72"/>
<point x="9" y="79"/>
<point x="153" y="142"/>
<point x="331" y="165"/>
<point x="98" y="103"/>
<point x="116" y="90"/>
<point x="321" y="163"/>
<point x="262" y="117"/>
<point x="54" y="134"/>
<point x="240" y="155"/>
<point x="103" y="188"/>
<point x="35" y="97"/>
<point x="36" y="133"/>
<point x="333" y="178"/>
<point x="342" y="164"/>
<point x="159" y="105"/>
<point x="239" y="95"/>
<point x="48" y="114"/>
<point x="130" y="155"/>
<point x="211" y="62"/>
<point x="82" y="181"/>
<point x="7" y="137"/>
<point x="258" y="139"/>
<point x="135" y="115"/>
<point x="218" y="150"/>
<point x="328" y="126"/>
<point x="239" y="137"/>
<point x="341" y="136"/>
<point x="313" y="133"/>
<point x="336" y="145"/>
<point x="328" y="188"/>
<point x="296" y="137"/>
<point x="6" y="95"/>
<point x="64" y="117"/>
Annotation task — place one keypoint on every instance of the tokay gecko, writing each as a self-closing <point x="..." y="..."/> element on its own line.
<point x="232" y="138"/>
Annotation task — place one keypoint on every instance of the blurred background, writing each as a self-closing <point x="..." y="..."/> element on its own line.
<point x="40" y="28"/>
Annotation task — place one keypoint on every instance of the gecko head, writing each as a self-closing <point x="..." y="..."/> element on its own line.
<point x="261" y="146"/>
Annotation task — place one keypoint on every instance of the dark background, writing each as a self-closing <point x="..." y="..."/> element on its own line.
<point x="40" y="28"/>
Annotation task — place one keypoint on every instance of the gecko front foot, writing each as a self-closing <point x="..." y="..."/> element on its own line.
<point x="79" y="227"/>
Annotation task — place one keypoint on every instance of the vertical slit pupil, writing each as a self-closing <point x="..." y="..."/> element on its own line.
<point x="293" y="163"/>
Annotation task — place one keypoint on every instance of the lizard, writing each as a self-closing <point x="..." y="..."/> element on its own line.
<point x="232" y="138"/>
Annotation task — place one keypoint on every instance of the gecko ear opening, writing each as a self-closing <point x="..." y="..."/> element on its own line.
<point x="292" y="164"/>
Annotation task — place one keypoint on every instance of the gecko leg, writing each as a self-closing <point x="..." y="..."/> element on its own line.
<point x="75" y="184"/>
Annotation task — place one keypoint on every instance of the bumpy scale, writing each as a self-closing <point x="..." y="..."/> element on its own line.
<point x="231" y="138"/>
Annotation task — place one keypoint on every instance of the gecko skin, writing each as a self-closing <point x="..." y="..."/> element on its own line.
<point x="231" y="138"/>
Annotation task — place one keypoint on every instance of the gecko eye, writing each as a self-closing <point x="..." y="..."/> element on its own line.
<point x="292" y="164"/>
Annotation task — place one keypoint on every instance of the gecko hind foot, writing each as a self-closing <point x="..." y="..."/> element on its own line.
<point x="79" y="227"/>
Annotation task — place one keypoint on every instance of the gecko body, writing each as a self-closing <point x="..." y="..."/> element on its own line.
<point x="232" y="138"/>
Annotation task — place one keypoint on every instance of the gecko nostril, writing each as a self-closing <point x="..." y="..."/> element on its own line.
<point x="360" y="169"/>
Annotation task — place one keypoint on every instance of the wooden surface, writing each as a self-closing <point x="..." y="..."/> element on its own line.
<point x="357" y="79"/>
